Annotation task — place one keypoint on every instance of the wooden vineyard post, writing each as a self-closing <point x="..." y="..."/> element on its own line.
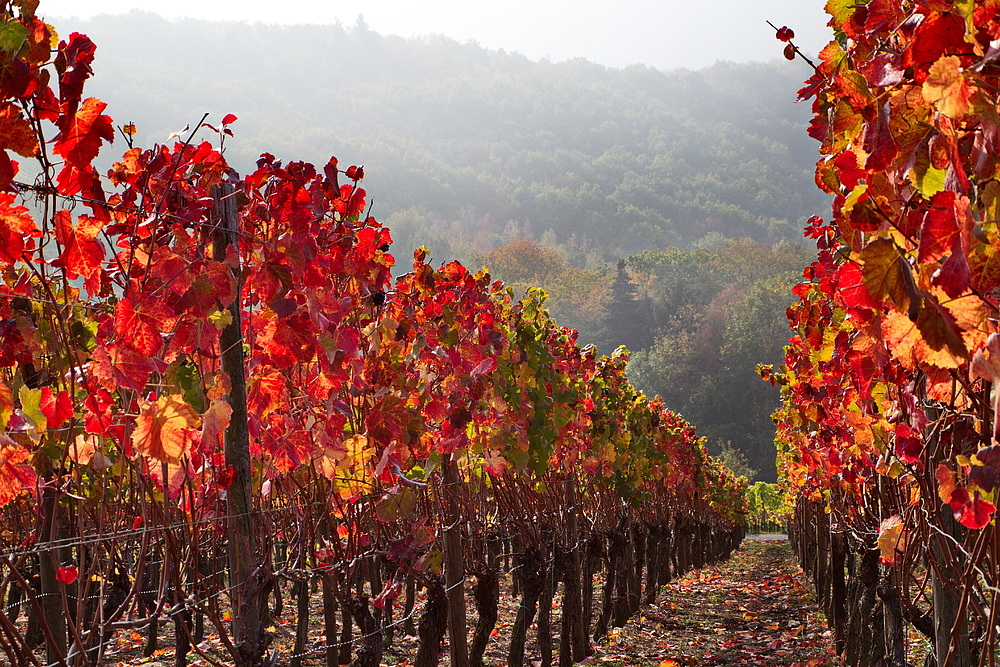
<point x="248" y="599"/>
<point x="951" y="637"/>
<point x="454" y="567"/>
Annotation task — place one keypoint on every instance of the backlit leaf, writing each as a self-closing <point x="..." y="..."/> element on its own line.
<point x="81" y="138"/>
<point x="15" y="475"/>
<point x="57" y="408"/>
<point x="16" y="225"/>
<point x="16" y="133"/>
<point x="82" y="252"/>
<point x="164" y="428"/>
<point x="885" y="272"/>
<point x="947" y="89"/>
<point x="891" y="539"/>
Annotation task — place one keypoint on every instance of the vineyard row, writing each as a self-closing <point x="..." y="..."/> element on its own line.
<point x="196" y="363"/>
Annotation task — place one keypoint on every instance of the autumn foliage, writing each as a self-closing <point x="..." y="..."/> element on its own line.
<point x="114" y="297"/>
<point x="887" y="418"/>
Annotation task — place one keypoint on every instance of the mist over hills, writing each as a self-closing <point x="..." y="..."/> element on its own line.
<point x="548" y="173"/>
<point x="466" y="148"/>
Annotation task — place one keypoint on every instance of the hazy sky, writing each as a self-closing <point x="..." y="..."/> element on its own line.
<point x="662" y="33"/>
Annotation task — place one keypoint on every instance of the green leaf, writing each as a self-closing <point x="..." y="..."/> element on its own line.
<point x="397" y="503"/>
<point x="220" y="318"/>
<point x="929" y="180"/>
<point x="12" y="36"/>
<point x="431" y="561"/>
<point x="185" y="377"/>
<point x="841" y="10"/>
<point x="886" y="273"/>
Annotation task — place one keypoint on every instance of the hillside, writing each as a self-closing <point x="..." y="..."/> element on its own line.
<point x="467" y="149"/>
<point x="548" y="173"/>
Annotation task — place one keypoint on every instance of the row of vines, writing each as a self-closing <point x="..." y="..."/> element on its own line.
<point x="217" y="405"/>
<point x="890" y="418"/>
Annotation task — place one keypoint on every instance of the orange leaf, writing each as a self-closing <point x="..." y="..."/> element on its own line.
<point x="164" y="428"/>
<point x="214" y="424"/>
<point x="914" y="343"/>
<point x="16" y="132"/>
<point x="14" y="475"/>
<point x="891" y="539"/>
<point x="6" y="404"/>
<point x="946" y="87"/>
<point x="16" y="224"/>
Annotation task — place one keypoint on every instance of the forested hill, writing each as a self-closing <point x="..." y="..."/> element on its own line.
<point x="466" y="148"/>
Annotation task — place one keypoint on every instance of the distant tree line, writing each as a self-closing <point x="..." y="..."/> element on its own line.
<point x="696" y="321"/>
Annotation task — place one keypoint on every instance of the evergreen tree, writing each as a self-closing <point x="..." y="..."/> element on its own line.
<point x="628" y="317"/>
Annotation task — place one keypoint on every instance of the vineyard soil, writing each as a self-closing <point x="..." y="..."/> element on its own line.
<point x="755" y="609"/>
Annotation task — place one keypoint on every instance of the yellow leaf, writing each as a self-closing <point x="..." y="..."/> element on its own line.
<point x="946" y="87"/>
<point x="271" y="629"/>
<point x="891" y="538"/>
<point x="31" y="406"/>
<point x="220" y="318"/>
<point x="357" y="449"/>
<point x="164" y="428"/>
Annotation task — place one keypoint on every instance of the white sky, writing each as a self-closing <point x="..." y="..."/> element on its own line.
<point x="661" y="33"/>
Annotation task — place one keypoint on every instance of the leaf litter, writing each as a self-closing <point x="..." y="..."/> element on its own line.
<point x="755" y="609"/>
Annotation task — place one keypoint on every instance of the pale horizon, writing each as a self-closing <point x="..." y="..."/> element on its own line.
<point x="660" y="34"/>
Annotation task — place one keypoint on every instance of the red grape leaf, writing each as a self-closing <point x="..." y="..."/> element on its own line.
<point x="82" y="253"/>
<point x="908" y="443"/>
<point x="213" y="426"/>
<point x="940" y="227"/>
<point x="67" y="575"/>
<point x="937" y="35"/>
<point x="140" y="329"/>
<point x="971" y="510"/>
<point x="79" y="142"/>
<point x="121" y="366"/>
<point x="985" y="473"/>
<point x="986" y="365"/>
<point x="57" y="408"/>
<point x="932" y="339"/>
<point x="98" y="409"/>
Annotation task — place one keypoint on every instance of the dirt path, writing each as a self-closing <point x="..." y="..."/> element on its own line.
<point x="754" y="609"/>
